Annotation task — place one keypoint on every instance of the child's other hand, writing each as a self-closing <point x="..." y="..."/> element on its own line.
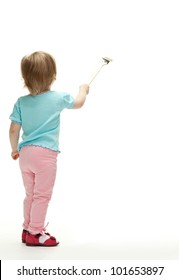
<point x="15" y="155"/>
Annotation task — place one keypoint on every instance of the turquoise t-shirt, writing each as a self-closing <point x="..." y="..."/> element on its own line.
<point x="39" y="117"/>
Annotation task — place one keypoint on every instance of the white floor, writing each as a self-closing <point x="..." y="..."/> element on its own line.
<point x="106" y="231"/>
<point x="12" y="249"/>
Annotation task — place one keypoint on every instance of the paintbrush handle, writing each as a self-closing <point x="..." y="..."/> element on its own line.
<point x="95" y="74"/>
<point x="105" y="61"/>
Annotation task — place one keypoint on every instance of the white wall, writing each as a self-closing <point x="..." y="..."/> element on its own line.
<point x="117" y="177"/>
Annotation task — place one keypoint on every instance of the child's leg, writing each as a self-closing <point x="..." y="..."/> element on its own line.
<point x="44" y="182"/>
<point x="29" y="180"/>
<point x="42" y="163"/>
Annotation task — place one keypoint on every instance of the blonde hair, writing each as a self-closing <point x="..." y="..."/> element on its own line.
<point x="38" y="71"/>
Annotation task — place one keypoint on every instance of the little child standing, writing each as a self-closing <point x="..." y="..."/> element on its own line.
<point x="38" y="114"/>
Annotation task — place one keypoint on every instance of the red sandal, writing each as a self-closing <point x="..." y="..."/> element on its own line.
<point x="24" y="234"/>
<point x="41" y="239"/>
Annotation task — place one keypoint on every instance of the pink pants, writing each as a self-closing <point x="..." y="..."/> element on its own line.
<point x="38" y="166"/>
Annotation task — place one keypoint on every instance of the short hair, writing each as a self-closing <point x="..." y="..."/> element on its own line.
<point x="38" y="71"/>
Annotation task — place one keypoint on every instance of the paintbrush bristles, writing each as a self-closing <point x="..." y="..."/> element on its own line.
<point x="107" y="59"/>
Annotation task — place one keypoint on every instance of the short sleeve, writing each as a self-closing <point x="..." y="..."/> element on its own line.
<point x="68" y="101"/>
<point x="16" y="113"/>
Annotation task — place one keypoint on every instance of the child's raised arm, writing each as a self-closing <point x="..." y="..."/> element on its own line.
<point x="81" y="96"/>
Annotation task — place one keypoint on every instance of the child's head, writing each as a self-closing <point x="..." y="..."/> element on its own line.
<point x="38" y="71"/>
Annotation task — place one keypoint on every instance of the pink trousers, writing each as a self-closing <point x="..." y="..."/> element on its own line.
<point x="38" y="167"/>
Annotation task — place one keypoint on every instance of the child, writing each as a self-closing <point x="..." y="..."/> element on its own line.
<point x="38" y="114"/>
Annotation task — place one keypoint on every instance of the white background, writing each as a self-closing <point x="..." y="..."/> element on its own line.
<point x="116" y="193"/>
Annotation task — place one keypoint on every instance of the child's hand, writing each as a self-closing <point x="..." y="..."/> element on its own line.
<point x="84" y="88"/>
<point x="15" y="155"/>
<point x="81" y="97"/>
